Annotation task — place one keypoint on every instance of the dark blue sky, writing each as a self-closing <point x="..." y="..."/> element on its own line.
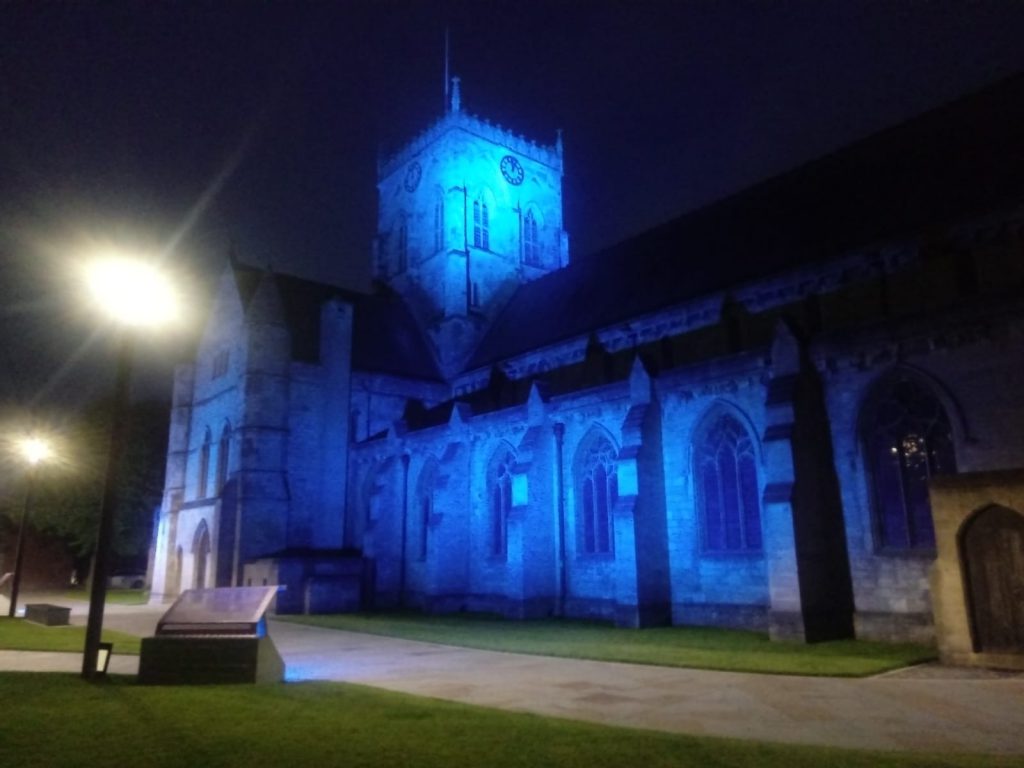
<point x="259" y="124"/>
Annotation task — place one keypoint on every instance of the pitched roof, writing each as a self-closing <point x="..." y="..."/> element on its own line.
<point x="959" y="160"/>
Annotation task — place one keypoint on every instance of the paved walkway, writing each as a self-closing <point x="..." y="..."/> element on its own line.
<point x="933" y="709"/>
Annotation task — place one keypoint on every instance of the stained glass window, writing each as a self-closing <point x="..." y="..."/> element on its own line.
<point x="909" y="439"/>
<point x="598" y="489"/>
<point x="727" y="488"/>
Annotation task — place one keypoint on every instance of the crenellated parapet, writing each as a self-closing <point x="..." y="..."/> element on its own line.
<point x="495" y="133"/>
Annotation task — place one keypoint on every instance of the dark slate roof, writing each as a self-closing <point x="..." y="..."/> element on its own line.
<point x="956" y="161"/>
<point x="386" y="338"/>
<point x="597" y="368"/>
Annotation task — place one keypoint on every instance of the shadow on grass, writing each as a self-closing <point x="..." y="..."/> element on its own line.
<point x="21" y="635"/>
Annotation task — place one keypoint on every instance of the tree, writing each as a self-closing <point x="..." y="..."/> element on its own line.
<point x="67" y="499"/>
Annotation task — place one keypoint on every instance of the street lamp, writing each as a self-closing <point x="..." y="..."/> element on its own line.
<point x="134" y="295"/>
<point x="33" y="450"/>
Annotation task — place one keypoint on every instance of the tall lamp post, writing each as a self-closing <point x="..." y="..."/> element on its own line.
<point x="134" y="295"/>
<point x="33" y="450"/>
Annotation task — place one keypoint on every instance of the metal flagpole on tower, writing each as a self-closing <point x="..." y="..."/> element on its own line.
<point x="446" y="68"/>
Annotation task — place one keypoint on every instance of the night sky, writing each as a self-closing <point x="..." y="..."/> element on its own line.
<point x="195" y="127"/>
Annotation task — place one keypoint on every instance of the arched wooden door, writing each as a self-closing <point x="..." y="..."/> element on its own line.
<point x="992" y="552"/>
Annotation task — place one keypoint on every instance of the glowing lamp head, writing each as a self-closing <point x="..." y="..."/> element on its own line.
<point x="34" y="450"/>
<point x="132" y="292"/>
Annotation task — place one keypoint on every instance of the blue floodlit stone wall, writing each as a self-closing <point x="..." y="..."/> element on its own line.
<point x="502" y="508"/>
<point x="280" y="483"/>
<point x="820" y="568"/>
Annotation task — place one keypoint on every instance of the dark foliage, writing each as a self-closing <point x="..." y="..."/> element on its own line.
<point x="68" y="493"/>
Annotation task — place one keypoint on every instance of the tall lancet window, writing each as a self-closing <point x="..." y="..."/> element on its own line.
<point x="481" y="225"/>
<point x="500" y="490"/>
<point x="223" y="449"/>
<point x="402" y="245"/>
<point x="531" y="242"/>
<point x="425" y="503"/>
<point x="439" y="224"/>
<point x="204" y="464"/>
<point x="908" y="439"/>
<point x="727" y="487"/>
<point x="598" y="491"/>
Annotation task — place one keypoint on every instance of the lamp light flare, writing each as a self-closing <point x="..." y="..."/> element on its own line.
<point x="34" y="450"/>
<point x="132" y="292"/>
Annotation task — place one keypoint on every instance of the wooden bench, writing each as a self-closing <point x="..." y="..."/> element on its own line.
<point x="50" y="615"/>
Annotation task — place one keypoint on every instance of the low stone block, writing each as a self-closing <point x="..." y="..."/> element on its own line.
<point x="50" y="615"/>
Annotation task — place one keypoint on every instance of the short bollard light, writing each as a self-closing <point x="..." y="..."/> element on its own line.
<point x="103" y="654"/>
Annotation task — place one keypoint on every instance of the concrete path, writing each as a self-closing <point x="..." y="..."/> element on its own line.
<point x="931" y="709"/>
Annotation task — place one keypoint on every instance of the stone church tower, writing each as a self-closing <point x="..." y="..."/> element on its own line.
<point x="467" y="211"/>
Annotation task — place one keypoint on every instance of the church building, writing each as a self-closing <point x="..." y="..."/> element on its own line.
<point x="738" y="418"/>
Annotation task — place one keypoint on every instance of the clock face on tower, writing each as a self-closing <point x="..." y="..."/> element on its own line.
<point x="512" y="170"/>
<point x="412" y="177"/>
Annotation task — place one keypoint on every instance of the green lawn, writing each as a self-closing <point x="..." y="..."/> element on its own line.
<point x="62" y="720"/>
<point x="698" y="647"/>
<point x="21" y="635"/>
<point x="119" y="596"/>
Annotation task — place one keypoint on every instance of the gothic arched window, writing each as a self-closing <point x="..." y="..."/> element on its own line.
<point x="439" y="224"/>
<point x="223" y="449"/>
<point x="204" y="464"/>
<point x="908" y="439"/>
<point x="598" y="491"/>
<point x="499" y="486"/>
<point x="726" y="482"/>
<point x="201" y="555"/>
<point x="531" y="241"/>
<point x="425" y="506"/>
<point x="481" y="225"/>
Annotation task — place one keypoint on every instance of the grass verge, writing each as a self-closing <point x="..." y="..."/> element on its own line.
<point x="698" y="647"/>
<point x="119" y="596"/>
<point x="118" y="723"/>
<point x="21" y="635"/>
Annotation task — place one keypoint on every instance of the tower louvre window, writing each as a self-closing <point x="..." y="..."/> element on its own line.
<point x="481" y="225"/>
<point x="531" y="241"/>
<point x="439" y="225"/>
